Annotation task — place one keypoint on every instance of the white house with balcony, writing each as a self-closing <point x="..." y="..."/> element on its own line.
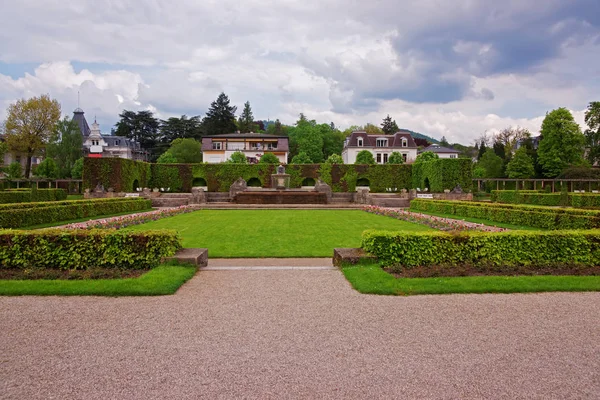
<point x="381" y="146"/>
<point x="219" y="148"/>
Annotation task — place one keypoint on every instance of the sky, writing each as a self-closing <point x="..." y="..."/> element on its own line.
<point x="455" y="68"/>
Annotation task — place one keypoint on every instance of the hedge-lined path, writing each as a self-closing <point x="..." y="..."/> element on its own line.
<point x="299" y="334"/>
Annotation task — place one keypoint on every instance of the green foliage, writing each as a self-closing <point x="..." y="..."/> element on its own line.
<point x="334" y="159"/>
<point x="14" y="170"/>
<point x="525" y="215"/>
<point x="426" y="156"/>
<point x="246" y="120"/>
<point x="492" y="164"/>
<point x="365" y="157"/>
<point x="489" y="253"/>
<point x="28" y="214"/>
<point x="521" y="165"/>
<point x="186" y="151"/>
<point x="167" y="158"/>
<point x="77" y="170"/>
<point x="269" y="158"/>
<point x="577" y="200"/>
<point x="117" y="173"/>
<point x="65" y="146"/>
<point x="562" y="142"/>
<point x="33" y="195"/>
<point x="220" y="117"/>
<point x="443" y="173"/>
<point x="139" y="126"/>
<point x="82" y="249"/>
<point x="47" y="169"/>
<point x="238" y="158"/>
<point x="395" y="158"/>
<point x="301" y="158"/>
<point x="389" y="127"/>
<point x="592" y="134"/>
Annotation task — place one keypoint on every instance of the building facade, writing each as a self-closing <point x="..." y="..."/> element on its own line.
<point x="219" y="148"/>
<point x="441" y="151"/>
<point x="381" y="146"/>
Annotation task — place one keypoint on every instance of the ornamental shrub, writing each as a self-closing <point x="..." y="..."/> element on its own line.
<point x="426" y="156"/>
<point x="79" y="249"/>
<point x="47" y="169"/>
<point x="395" y="158"/>
<point x="269" y="158"/>
<point x="301" y="158"/>
<point x="487" y="253"/>
<point x="443" y="173"/>
<point x="365" y="157"/>
<point x="237" y="157"/>
<point x="334" y="159"/>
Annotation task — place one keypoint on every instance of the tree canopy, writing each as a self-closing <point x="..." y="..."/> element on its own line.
<point x="141" y="127"/>
<point x="365" y="157"/>
<point x="395" y="158"/>
<point x="65" y="146"/>
<point x="29" y="125"/>
<point x="388" y="126"/>
<point x="220" y="117"/>
<point x="301" y="158"/>
<point x="521" y="165"/>
<point x="592" y="134"/>
<point x="186" y="151"/>
<point x="334" y="159"/>
<point x="47" y="169"/>
<point x="246" y="120"/>
<point x="166" y="158"/>
<point x="77" y="170"/>
<point x="237" y="157"/>
<point x="491" y="163"/>
<point x="269" y="158"/>
<point x="426" y="156"/>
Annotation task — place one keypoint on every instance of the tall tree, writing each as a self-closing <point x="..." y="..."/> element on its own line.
<point x="592" y="134"/>
<point x="491" y="163"/>
<point x="388" y="126"/>
<point x="186" y="151"/>
<point x="521" y="165"/>
<point x="141" y="127"/>
<point x="179" y="128"/>
<point x="482" y="150"/>
<point x="246" y="120"/>
<point x="444" y="142"/>
<point x="220" y="117"/>
<point x="65" y="146"/>
<point x="29" y="125"/>
<point x="562" y="142"/>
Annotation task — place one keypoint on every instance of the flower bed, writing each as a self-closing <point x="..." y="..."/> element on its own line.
<point x="129" y="220"/>
<point x="442" y="224"/>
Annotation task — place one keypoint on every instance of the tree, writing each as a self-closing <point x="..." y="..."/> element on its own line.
<point x="186" y="151"/>
<point x="562" y="142"/>
<point x="482" y="150"/>
<point x="65" y="146"/>
<point x="301" y="158"/>
<point x="426" y="156"/>
<point x="373" y="129"/>
<point x="179" y="128"/>
<point x="365" y="157"/>
<point x="166" y="158"/>
<point x="14" y="170"/>
<point x="306" y="137"/>
<point x="3" y="150"/>
<point x="521" y="165"/>
<point x="269" y="158"/>
<point x="444" y="142"/>
<point x="499" y="149"/>
<point x="47" y="169"/>
<point x="246" y="120"/>
<point x="388" y="126"/>
<point x="237" y="157"/>
<point x="491" y="164"/>
<point x="277" y="129"/>
<point x="141" y="127"/>
<point x="220" y="117"/>
<point x="334" y="159"/>
<point x="592" y="134"/>
<point x="77" y="170"/>
<point x="395" y="158"/>
<point x="29" y="125"/>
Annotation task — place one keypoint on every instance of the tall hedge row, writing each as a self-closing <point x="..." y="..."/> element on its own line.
<point x="442" y="174"/>
<point x="219" y="177"/>
<point x="546" y="199"/>
<point x="526" y="215"/>
<point x="487" y="253"/>
<point x="23" y="215"/>
<point x="31" y="195"/>
<point x="82" y="249"/>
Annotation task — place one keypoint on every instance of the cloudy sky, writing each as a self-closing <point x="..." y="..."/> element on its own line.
<point x="456" y="68"/>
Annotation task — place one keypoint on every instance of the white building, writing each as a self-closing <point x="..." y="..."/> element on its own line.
<point x="219" y="148"/>
<point x="381" y="146"/>
<point x="442" y="152"/>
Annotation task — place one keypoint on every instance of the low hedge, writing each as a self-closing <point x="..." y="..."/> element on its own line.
<point x="546" y="199"/>
<point x="527" y="215"/>
<point x="19" y="217"/>
<point x="584" y="200"/>
<point x="77" y="249"/>
<point x="484" y="253"/>
<point x="15" y="206"/>
<point x="32" y="195"/>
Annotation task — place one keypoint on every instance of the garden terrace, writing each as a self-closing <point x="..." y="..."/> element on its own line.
<point x="526" y="215"/>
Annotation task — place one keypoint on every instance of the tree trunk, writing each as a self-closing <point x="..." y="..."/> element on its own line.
<point x="28" y="166"/>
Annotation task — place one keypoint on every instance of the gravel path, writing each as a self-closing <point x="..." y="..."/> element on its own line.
<point x="299" y="334"/>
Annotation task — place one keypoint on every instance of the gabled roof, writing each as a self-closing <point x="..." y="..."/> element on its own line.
<point x="78" y="116"/>
<point x="436" y="148"/>
<point x="370" y="140"/>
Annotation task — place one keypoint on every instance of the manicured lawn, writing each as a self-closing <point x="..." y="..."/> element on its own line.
<point x="371" y="279"/>
<point x="162" y="280"/>
<point x="276" y="233"/>
<point x="74" y="197"/>
<point x="482" y="221"/>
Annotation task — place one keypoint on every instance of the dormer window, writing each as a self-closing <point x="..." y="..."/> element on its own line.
<point x="359" y="142"/>
<point x="381" y="142"/>
<point x="404" y="142"/>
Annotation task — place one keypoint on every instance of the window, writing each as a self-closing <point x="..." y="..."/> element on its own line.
<point x="404" y="142"/>
<point x="359" y="142"/>
<point x="271" y="146"/>
<point x="381" y="142"/>
<point x="404" y="156"/>
<point x="378" y="158"/>
<point x="385" y="158"/>
<point x="117" y="142"/>
<point x="452" y="155"/>
<point x="216" y="146"/>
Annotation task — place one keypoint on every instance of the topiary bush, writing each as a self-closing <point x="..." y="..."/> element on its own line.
<point x="443" y="173"/>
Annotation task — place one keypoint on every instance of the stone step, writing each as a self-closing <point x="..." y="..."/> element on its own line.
<point x="195" y="256"/>
<point x="390" y="202"/>
<point x="176" y="195"/>
<point x="217" y="197"/>
<point x="170" y="202"/>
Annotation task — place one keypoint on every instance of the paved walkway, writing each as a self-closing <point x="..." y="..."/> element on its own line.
<point x="299" y="334"/>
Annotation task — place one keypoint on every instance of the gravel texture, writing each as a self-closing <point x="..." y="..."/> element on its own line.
<point x="299" y="334"/>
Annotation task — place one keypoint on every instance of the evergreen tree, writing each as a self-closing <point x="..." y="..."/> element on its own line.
<point x="592" y="134"/>
<point x="246" y="120"/>
<point x="388" y="126"/>
<point x="444" y="142"/>
<point x="491" y="163"/>
<point x="141" y="127"/>
<point x="220" y="117"/>
<point x="482" y="150"/>
<point x="521" y="165"/>
<point x="562" y="142"/>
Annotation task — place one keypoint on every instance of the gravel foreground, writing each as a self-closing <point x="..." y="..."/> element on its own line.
<point x="299" y="334"/>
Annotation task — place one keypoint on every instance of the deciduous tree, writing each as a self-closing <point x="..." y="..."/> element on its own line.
<point x="491" y="163"/>
<point x="426" y="156"/>
<point x="237" y="157"/>
<point x="334" y="159"/>
<point x="301" y="158"/>
<point x="141" y="127"/>
<point x="47" y="169"/>
<point x="521" y="165"/>
<point x="592" y="134"/>
<point x="186" y="151"/>
<point x="65" y="146"/>
<point x="77" y="170"/>
<point x="562" y="142"/>
<point x="365" y="157"/>
<point x="269" y="158"/>
<point x="395" y="158"/>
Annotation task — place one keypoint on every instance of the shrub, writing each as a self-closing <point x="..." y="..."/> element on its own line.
<point x="14" y="171"/>
<point x="546" y="199"/>
<point x="78" y="249"/>
<point x="47" y="169"/>
<point x="365" y="157"/>
<point x="32" y="195"/>
<point x="43" y="213"/>
<point x="487" y="253"/>
<point x="395" y="158"/>
<point x="301" y="158"/>
<point x="269" y="158"/>
<point x="237" y="157"/>
<point x="334" y="159"/>
<point x="527" y="215"/>
<point x="166" y="158"/>
<point x="443" y="173"/>
<point x="426" y="156"/>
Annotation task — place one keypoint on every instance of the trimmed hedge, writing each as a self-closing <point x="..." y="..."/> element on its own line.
<point x="23" y="215"/>
<point x="442" y="174"/>
<point x="514" y="252"/>
<point x="117" y="173"/>
<point x="78" y="249"/>
<point x="31" y="195"/>
<point x="546" y="199"/>
<point x="527" y="215"/>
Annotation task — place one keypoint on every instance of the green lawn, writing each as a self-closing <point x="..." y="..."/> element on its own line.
<point x="74" y="197"/>
<point x="276" y="233"/>
<point x="481" y="221"/>
<point x="162" y="280"/>
<point x="371" y="279"/>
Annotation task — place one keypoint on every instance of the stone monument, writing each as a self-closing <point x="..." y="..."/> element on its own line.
<point x="280" y="180"/>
